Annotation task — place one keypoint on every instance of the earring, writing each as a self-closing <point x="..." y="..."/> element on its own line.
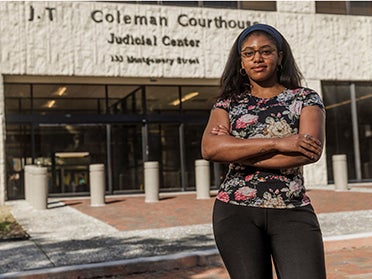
<point x="242" y="72"/>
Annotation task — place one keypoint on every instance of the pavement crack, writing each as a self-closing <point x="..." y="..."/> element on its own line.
<point x="44" y="253"/>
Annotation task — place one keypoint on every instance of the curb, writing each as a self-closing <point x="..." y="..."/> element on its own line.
<point x="118" y="269"/>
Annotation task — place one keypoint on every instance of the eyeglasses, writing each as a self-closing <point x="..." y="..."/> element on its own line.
<point x="251" y="53"/>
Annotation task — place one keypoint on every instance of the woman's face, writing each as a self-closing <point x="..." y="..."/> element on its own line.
<point x="260" y="58"/>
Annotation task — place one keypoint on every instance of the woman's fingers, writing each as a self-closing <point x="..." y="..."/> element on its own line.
<point x="220" y="130"/>
<point x="314" y="156"/>
<point x="312" y="140"/>
<point x="303" y="143"/>
<point x="312" y="147"/>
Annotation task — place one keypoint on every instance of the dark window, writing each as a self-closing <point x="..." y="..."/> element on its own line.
<point x="258" y="5"/>
<point x="361" y="8"/>
<point x="343" y="129"/>
<point x="45" y="99"/>
<point x="181" y="3"/>
<point x="331" y="7"/>
<point x="246" y="5"/>
<point x="344" y="7"/>
<point x="221" y="4"/>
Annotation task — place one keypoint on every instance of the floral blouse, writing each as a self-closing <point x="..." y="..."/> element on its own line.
<point x="252" y="117"/>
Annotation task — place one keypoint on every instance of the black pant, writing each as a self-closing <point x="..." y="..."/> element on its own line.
<point x="248" y="237"/>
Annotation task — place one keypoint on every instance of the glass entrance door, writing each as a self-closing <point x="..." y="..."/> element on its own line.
<point x="127" y="159"/>
<point x="67" y="151"/>
<point x="120" y="126"/>
<point x="164" y="147"/>
<point x="18" y="153"/>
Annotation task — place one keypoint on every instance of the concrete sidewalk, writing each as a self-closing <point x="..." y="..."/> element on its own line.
<point x="128" y="236"/>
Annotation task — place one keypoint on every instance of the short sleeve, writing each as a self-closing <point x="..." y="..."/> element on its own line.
<point x="223" y="103"/>
<point x="311" y="98"/>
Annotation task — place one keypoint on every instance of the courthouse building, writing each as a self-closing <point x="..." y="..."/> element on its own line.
<point x="122" y="83"/>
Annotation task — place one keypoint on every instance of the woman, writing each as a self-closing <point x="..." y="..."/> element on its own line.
<point x="267" y="127"/>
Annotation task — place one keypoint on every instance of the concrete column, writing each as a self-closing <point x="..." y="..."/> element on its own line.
<point x="2" y="144"/>
<point x="340" y="176"/>
<point x="151" y="181"/>
<point x="202" y="179"/>
<point x="38" y="187"/>
<point x="97" y="184"/>
<point x="28" y="181"/>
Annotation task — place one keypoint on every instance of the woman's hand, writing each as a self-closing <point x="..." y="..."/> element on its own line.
<point x="301" y="143"/>
<point x="220" y="130"/>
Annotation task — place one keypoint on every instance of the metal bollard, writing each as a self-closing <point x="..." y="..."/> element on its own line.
<point x="38" y="187"/>
<point x="97" y="184"/>
<point x="151" y="181"/>
<point x="202" y="179"/>
<point x="340" y="176"/>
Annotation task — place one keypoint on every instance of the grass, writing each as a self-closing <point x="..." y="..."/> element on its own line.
<point x="9" y="227"/>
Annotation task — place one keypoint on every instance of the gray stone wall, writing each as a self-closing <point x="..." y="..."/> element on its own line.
<point x="73" y="39"/>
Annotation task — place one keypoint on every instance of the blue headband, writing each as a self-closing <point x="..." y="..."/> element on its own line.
<point x="264" y="28"/>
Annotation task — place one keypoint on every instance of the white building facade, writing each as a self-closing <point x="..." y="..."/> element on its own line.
<point x="123" y="83"/>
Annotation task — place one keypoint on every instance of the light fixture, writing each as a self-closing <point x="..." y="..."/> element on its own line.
<point x="72" y="154"/>
<point x="184" y="98"/>
<point x="60" y="91"/>
<point x="50" y="104"/>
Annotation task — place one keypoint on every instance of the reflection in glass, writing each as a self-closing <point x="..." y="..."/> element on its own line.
<point x="125" y="99"/>
<point x="17" y="98"/>
<point x="161" y="99"/>
<point x="364" y="105"/>
<point x="339" y="136"/>
<point x="201" y="101"/>
<point x="59" y="98"/>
